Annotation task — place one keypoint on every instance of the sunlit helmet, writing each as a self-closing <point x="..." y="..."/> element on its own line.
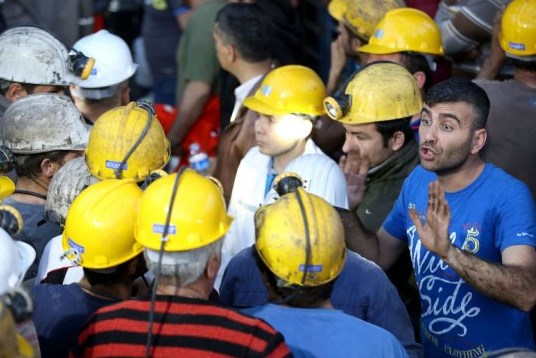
<point x="197" y="214"/>
<point x="405" y="30"/>
<point x="289" y="89"/>
<point x="127" y="142"/>
<point x="99" y="230"/>
<point x="41" y="123"/>
<point x="380" y="91"/>
<point x="518" y="32"/>
<point x="300" y="238"/>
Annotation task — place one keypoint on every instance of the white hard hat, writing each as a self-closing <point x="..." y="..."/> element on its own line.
<point x="321" y="176"/>
<point x="32" y="55"/>
<point x="113" y="60"/>
<point x="41" y="123"/>
<point x="65" y="186"/>
<point x="15" y="259"/>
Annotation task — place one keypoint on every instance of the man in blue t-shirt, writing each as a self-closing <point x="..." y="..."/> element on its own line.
<point x="470" y="228"/>
<point x="300" y="252"/>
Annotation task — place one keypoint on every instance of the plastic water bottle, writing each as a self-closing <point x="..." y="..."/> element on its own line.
<point x="198" y="159"/>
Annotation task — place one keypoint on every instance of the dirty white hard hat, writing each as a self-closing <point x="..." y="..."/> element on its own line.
<point x="32" y="55"/>
<point x="41" y="123"/>
<point x="67" y="183"/>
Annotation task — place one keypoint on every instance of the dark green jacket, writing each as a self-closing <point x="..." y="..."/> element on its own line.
<point x="383" y="186"/>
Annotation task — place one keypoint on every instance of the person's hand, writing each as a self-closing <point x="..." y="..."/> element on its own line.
<point x="338" y="56"/>
<point x="434" y="234"/>
<point x="355" y="168"/>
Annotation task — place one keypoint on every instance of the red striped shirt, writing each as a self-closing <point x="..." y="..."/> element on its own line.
<point x="181" y="327"/>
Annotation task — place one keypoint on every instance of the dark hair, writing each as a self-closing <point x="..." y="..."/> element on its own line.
<point x="524" y="65"/>
<point x="388" y="128"/>
<point x="29" y="165"/>
<point x="461" y="90"/>
<point x="414" y="62"/>
<point x="247" y="28"/>
<point x="294" y="296"/>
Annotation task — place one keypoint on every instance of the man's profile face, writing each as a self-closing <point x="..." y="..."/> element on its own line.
<point x="365" y="140"/>
<point x="446" y="136"/>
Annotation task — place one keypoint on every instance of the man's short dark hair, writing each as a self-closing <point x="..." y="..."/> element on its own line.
<point x="294" y="296"/>
<point x="414" y="62"/>
<point x="388" y="128"/>
<point x="525" y="65"/>
<point x="461" y="90"/>
<point x="246" y="27"/>
<point x="29" y="165"/>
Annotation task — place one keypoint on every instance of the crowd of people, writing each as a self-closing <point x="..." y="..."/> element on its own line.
<point x="385" y="207"/>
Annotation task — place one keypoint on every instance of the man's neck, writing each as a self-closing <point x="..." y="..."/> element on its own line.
<point x="526" y="77"/>
<point x="195" y="290"/>
<point x="37" y="185"/>
<point x="283" y="160"/>
<point x="119" y="291"/>
<point x="246" y="70"/>
<point x="463" y="176"/>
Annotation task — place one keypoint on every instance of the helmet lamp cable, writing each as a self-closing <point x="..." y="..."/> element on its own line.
<point x="159" y="265"/>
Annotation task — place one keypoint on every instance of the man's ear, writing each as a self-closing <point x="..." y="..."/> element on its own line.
<point x="479" y="140"/>
<point x="305" y="128"/>
<point x="397" y="140"/>
<point x="213" y="266"/>
<point x="15" y="91"/>
<point x="420" y="78"/>
<point x="49" y="167"/>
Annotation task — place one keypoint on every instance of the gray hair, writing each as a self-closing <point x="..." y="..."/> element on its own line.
<point x="182" y="268"/>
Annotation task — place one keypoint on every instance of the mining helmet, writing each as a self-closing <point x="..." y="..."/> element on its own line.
<point x="300" y="238"/>
<point x="405" y="30"/>
<point x="185" y="210"/>
<point x="99" y="229"/>
<point x="29" y="54"/>
<point x="127" y="142"/>
<point x="518" y="31"/>
<point x="291" y="89"/>
<point x="380" y="91"/>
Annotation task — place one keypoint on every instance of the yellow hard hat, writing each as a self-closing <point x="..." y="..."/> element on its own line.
<point x="127" y="142"/>
<point x="362" y="16"/>
<point x="337" y="8"/>
<point x="197" y="213"/>
<point x="7" y="187"/>
<point x="289" y="89"/>
<point x="12" y="344"/>
<point x="300" y="238"/>
<point x="380" y="91"/>
<point x="99" y="230"/>
<point x="405" y="29"/>
<point x="518" y="33"/>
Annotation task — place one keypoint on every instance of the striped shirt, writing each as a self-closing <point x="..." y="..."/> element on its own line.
<point x="182" y="327"/>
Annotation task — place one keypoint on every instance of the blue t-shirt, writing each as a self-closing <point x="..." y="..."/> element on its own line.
<point x="59" y="313"/>
<point x="318" y="332"/>
<point x="361" y="290"/>
<point x="493" y="213"/>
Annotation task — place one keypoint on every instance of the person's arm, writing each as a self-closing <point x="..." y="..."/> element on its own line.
<point x="194" y="98"/>
<point x="338" y="60"/>
<point x="512" y="282"/>
<point x="495" y="60"/>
